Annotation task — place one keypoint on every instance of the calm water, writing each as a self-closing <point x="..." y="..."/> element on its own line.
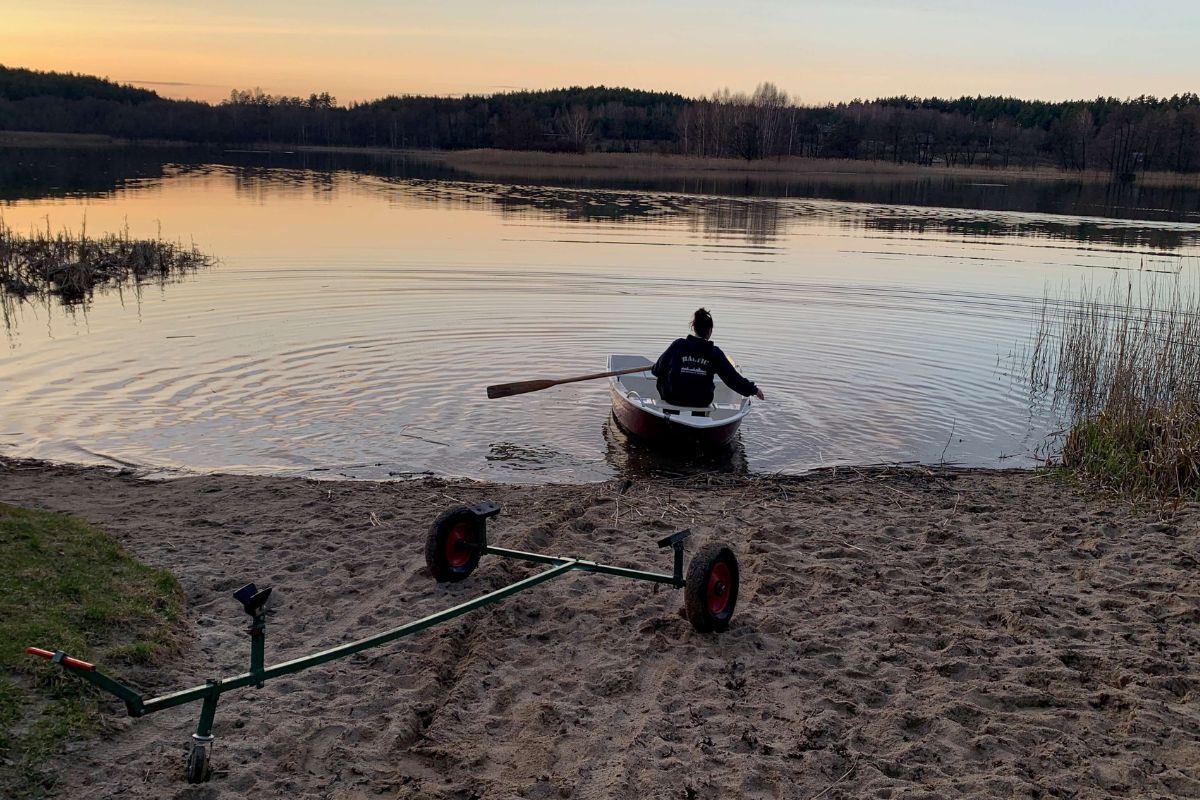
<point x="357" y="315"/>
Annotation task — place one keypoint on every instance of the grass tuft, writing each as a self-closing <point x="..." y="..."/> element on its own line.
<point x="1123" y="363"/>
<point x="68" y="586"/>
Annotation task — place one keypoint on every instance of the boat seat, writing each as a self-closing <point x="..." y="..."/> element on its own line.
<point x="670" y="409"/>
<point x="695" y="411"/>
<point x="648" y="398"/>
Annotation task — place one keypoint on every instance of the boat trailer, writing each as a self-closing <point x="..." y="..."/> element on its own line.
<point x="455" y="543"/>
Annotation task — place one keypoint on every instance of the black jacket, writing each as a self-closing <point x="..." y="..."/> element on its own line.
<point x="685" y="373"/>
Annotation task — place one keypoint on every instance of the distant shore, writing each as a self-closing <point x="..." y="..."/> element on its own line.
<point x="536" y="164"/>
<point x="37" y="139"/>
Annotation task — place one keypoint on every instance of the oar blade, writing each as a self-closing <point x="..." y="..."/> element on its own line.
<point x="520" y="387"/>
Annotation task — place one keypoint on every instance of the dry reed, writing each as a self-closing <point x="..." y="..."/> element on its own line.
<point x="70" y="266"/>
<point x="1123" y="363"/>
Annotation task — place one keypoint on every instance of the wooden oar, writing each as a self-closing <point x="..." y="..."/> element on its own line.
<point x="522" y="387"/>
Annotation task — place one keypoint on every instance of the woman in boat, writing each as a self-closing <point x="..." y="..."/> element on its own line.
<point x="685" y="371"/>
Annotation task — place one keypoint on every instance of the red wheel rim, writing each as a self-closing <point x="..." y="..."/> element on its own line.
<point x="458" y="545"/>
<point x="720" y="588"/>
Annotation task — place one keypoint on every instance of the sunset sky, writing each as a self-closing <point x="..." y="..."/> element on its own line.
<point x="817" y="50"/>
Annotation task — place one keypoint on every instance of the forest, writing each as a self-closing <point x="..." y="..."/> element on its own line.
<point x="1123" y="137"/>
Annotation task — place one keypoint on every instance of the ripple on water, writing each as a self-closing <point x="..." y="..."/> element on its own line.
<point x="879" y="334"/>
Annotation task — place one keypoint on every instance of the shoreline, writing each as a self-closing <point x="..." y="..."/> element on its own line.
<point x="536" y="164"/>
<point x="43" y="139"/>
<point x="503" y="163"/>
<point x="956" y="631"/>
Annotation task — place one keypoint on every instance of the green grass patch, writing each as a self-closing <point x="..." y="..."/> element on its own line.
<point x="1156" y="454"/>
<point x="67" y="586"/>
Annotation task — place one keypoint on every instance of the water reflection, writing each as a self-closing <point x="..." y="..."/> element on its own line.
<point x="631" y="458"/>
<point x="753" y="221"/>
<point x="761" y="222"/>
<point x="944" y="222"/>
<point x="357" y="316"/>
<point x="72" y="267"/>
<point x="32" y="173"/>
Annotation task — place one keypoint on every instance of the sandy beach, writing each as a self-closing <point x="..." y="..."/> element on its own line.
<point x="900" y="633"/>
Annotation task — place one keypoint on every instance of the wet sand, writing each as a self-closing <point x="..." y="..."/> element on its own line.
<point x="900" y="633"/>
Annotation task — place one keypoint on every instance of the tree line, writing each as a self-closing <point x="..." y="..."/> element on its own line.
<point x="1123" y="137"/>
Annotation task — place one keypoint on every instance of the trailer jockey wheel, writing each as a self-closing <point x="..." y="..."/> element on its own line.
<point x="452" y="549"/>
<point x="711" y="588"/>
<point x="198" y="768"/>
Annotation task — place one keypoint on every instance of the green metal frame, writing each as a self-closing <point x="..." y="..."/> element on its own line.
<point x="210" y="693"/>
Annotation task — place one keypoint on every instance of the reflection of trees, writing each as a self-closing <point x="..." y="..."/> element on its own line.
<point x="51" y="173"/>
<point x="262" y="182"/>
<point x="1068" y="230"/>
<point x="579" y="205"/>
<point x="763" y="221"/>
<point x="29" y="174"/>
<point x="35" y="173"/>
<point x="714" y="205"/>
<point x="760" y="221"/>
<point x="757" y="221"/>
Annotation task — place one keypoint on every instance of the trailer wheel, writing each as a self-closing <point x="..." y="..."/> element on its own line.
<point x="711" y="588"/>
<point x="197" y="765"/>
<point x="452" y="548"/>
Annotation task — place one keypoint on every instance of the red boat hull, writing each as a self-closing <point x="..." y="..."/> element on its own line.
<point x="657" y="430"/>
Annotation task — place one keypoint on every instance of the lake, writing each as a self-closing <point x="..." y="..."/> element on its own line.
<point x="361" y="306"/>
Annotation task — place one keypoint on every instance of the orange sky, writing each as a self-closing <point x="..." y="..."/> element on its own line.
<point x="820" y="50"/>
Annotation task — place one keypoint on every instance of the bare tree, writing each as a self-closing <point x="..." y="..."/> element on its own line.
<point x="1072" y="134"/>
<point x="576" y="126"/>
<point x="768" y="103"/>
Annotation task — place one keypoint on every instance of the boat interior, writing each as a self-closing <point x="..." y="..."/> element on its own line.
<point x="642" y="388"/>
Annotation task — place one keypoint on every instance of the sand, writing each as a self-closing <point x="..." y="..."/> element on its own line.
<point x="900" y="633"/>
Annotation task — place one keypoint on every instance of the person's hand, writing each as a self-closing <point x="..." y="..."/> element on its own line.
<point x="760" y="395"/>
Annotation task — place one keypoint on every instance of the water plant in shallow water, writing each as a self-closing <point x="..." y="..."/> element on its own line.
<point x="1123" y="363"/>
<point x="70" y="266"/>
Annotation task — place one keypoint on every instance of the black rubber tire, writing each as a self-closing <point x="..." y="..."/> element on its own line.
<point x="701" y="599"/>
<point x="437" y="557"/>
<point x="198" y="769"/>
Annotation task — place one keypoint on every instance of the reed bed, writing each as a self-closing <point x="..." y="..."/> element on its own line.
<point x="71" y="265"/>
<point x="1123" y="363"/>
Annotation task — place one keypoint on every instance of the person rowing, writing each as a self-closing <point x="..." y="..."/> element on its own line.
<point x="685" y="371"/>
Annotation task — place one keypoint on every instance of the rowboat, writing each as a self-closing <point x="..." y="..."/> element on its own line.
<point x="640" y="410"/>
